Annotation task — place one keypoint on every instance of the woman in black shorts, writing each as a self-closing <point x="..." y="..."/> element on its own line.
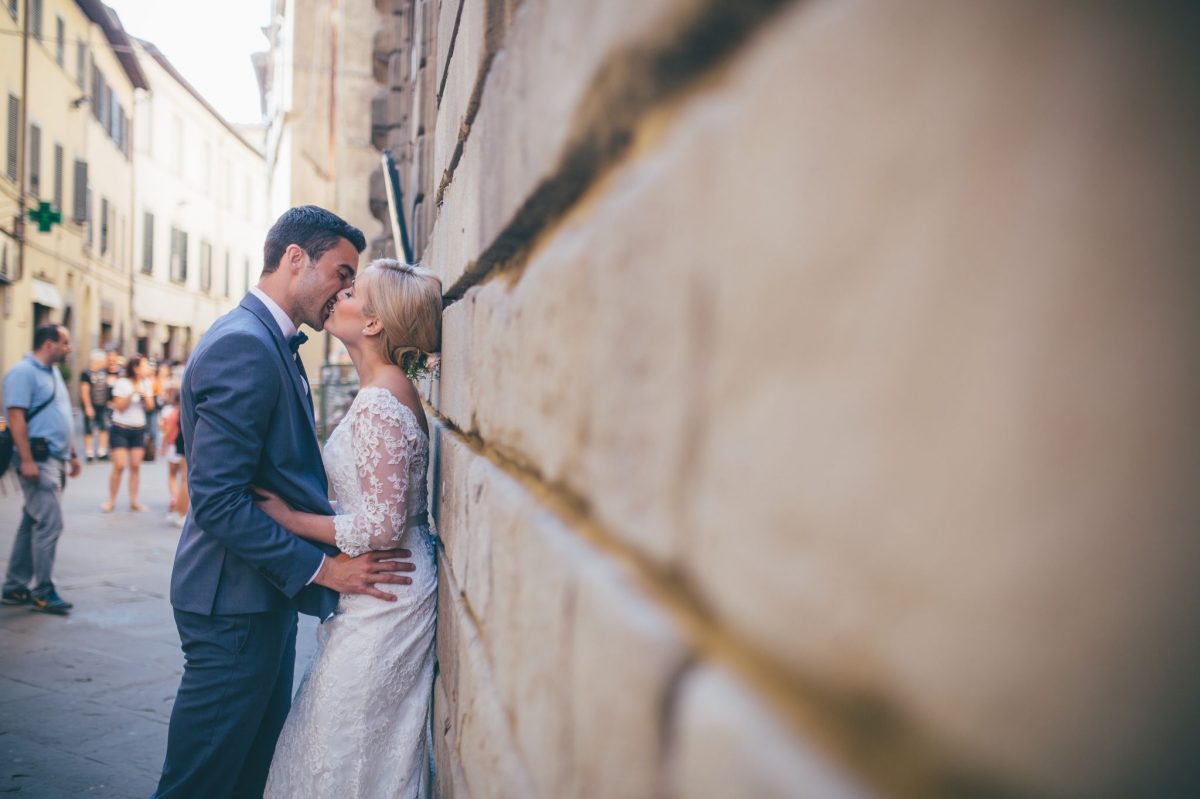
<point x="132" y="398"/>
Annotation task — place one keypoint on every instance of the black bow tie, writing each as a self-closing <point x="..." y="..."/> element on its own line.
<point x="295" y="341"/>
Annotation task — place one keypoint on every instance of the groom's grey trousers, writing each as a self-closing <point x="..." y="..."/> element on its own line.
<point x="230" y="718"/>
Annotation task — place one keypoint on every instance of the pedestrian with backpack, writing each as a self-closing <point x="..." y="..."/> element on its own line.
<point x="39" y="416"/>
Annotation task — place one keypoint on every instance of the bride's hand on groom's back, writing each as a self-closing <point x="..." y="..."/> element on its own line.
<point x="359" y="575"/>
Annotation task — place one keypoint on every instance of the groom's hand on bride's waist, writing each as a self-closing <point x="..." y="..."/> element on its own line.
<point x="359" y="575"/>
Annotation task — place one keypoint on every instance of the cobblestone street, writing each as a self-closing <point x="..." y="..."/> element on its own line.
<point x="85" y="698"/>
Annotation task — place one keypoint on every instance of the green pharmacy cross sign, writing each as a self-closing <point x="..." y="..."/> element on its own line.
<point x="46" y="217"/>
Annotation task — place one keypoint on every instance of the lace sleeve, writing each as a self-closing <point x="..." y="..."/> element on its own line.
<point x="381" y="456"/>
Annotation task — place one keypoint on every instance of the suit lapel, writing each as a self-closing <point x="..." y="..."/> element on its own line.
<point x="254" y="306"/>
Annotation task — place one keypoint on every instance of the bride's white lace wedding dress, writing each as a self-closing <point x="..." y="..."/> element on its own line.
<point x="357" y="727"/>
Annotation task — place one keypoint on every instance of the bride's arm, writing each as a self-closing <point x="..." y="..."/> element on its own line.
<point x="381" y="457"/>
<point x="313" y="526"/>
<point x="381" y="462"/>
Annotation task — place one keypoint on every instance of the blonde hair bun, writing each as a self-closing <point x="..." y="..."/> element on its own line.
<point x="407" y="299"/>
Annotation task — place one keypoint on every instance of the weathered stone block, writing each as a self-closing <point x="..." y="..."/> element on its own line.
<point x="528" y="115"/>
<point x="464" y="522"/>
<point x="626" y="654"/>
<point x="881" y="398"/>
<point x="397" y="74"/>
<point x="461" y="83"/>
<point x="484" y="743"/>
<point x="725" y="742"/>
<point x="388" y="111"/>
<point x="606" y="655"/>
<point x="450" y="780"/>
<point x="447" y="21"/>
<point x="377" y="195"/>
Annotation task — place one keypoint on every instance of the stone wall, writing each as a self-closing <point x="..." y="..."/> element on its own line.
<point x="817" y="410"/>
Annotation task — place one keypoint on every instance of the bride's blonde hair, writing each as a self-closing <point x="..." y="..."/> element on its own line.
<point x="407" y="299"/>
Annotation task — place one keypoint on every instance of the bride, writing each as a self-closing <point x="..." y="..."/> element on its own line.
<point x="357" y="724"/>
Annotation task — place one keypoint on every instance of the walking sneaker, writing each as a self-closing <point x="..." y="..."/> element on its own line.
<point x="18" y="596"/>
<point x="51" y="602"/>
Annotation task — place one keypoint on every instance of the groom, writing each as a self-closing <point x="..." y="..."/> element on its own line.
<point x="239" y="578"/>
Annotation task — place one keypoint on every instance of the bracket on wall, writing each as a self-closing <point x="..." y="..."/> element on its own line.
<point x="395" y="198"/>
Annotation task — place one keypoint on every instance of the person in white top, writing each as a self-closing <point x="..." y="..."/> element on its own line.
<point x="132" y="398"/>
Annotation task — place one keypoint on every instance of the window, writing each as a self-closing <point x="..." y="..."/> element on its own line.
<point x="80" y="63"/>
<point x="35" y="160"/>
<point x="103" y="225"/>
<point x="14" y="114"/>
<point x="148" y="244"/>
<point x="178" y="255"/>
<point x="88" y="238"/>
<point x="35" y="18"/>
<point x="81" y="196"/>
<point x="205" y="266"/>
<point x="58" y="177"/>
<point x="59" y="40"/>
<point x="12" y="8"/>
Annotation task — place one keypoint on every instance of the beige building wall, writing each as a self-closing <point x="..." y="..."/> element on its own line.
<point x="318" y="83"/>
<point x="79" y="272"/>
<point x="196" y="176"/>
<point x="110" y="173"/>
<point x="817" y="413"/>
<point x="16" y="309"/>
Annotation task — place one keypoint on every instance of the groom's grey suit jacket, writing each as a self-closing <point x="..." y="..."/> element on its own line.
<point x="247" y="420"/>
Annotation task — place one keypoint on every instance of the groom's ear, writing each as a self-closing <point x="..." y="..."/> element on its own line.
<point x="294" y="256"/>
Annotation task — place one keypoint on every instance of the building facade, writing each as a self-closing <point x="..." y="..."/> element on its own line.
<point x="817" y="401"/>
<point x="70" y="78"/>
<point x="316" y="79"/>
<point x="201" y="212"/>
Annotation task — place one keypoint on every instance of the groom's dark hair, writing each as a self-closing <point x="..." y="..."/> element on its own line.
<point x="313" y="229"/>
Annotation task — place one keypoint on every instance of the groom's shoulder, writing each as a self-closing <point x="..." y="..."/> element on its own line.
<point x="237" y="332"/>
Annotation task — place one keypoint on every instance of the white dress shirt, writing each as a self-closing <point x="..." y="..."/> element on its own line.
<point x="288" y="328"/>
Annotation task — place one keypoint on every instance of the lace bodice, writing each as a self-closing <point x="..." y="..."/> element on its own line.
<point x="377" y="458"/>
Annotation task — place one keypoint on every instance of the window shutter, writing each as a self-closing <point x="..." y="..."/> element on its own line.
<point x="81" y="180"/>
<point x="14" y="113"/>
<point x="35" y="160"/>
<point x="58" y="177"/>
<point x="148" y="244"/>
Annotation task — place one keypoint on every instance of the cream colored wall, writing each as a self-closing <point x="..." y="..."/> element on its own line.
<point x="81" y="275"/>
<point x="111" y="175"/>
<point x="206" y="182"/>
<point x="358" y="21"/>
<point x="320" y="149"/>
<point x="16" y="313"/>
<point x="817" y="414"/>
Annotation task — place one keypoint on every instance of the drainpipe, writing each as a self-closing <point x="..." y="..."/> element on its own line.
<point x="129" y="240"/>
<point x="22" y="124"/>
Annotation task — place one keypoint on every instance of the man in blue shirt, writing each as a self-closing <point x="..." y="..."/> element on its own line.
<point x="39" y="415"/>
